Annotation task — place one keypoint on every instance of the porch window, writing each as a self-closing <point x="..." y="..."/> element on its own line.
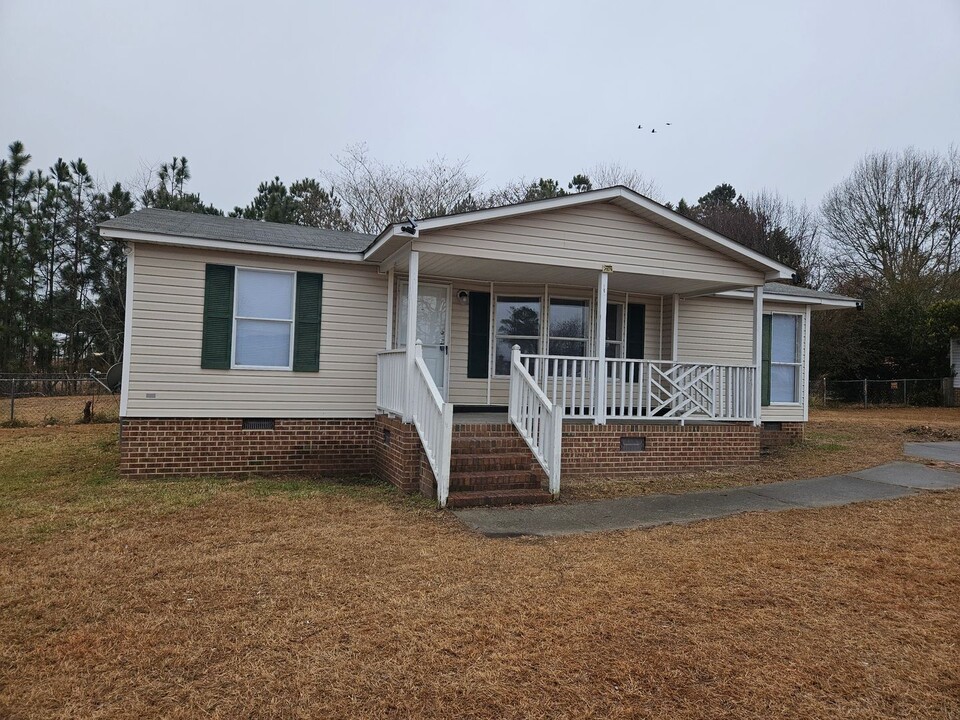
<point x="518" y="323"/>
<point x="785" y="359"/>
<point x="568" y="327"/>
<point x="614" y="330"/>
<point x="263" y="319"/>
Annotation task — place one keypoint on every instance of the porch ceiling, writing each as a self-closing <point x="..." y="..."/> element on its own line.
<point x="457" y="267"/>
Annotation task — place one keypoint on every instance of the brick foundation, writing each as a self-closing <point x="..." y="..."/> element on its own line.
<point x="779" y="434"/>
<point x="216" y="446"/>
<point x="398" y="457"/>
<point x="595" y="450"/>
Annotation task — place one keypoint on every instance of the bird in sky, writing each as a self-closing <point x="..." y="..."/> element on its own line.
<point x="640" y="127"/>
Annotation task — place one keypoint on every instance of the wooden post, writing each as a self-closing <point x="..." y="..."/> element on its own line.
<point x="413" y="280"/>
<point x="675" y="341"/>
<point x="600" y="396"/>
<point x="757" y="353"/>
<point x="390" y="293"/>
<point x="864" y="392"/>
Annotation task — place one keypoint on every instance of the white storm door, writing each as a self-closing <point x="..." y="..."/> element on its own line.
<point x="433" y="309"/>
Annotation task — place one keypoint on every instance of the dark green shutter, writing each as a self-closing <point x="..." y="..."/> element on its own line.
<point x="636" y="324"/>
<point x="767" y="346"/>
<point x="478" y="336"/>
<point x="217" y="317"/>
<point x="306" y="328"/>
<point x="636" y="331"/>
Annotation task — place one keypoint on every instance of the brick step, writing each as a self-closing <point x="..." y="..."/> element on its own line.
<point x="483" y="462"/>
<point x="477" y="446"/>
<point x="466" y="498"/>
<point x="495" y="480"/>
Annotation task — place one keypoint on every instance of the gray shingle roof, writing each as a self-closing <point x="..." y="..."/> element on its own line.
<point x="776" y="288"/>
<point x="214" y="227"/>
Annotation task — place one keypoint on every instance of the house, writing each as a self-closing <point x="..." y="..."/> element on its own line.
<point x="593" y="334"/>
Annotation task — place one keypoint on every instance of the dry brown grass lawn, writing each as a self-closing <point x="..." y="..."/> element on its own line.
<point x="837" y="441"/>
<point x="294" y="599"/>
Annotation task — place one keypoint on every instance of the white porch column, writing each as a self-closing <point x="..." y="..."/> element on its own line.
<point x="601" y="338"/>
<point x="413" y="282"/>
<point x="675" y="330"/>
<point x="757" y="352"/>
<point x="390" y="292"/>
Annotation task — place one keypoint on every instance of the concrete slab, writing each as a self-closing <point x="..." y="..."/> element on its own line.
<point x="911" y="475"/>
<point x="945" y="451"/>
<point x="615" y="514"/>
<point x="886" y="482"/>
<point x="831" y="490"/>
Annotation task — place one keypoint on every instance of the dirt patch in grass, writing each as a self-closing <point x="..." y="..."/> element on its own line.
<point x="300" y="599"/>
<point x="837" y="441"/>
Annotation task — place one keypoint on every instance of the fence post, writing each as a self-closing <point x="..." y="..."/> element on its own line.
<point x="864" y="392"/>
<point x="13" y="394"/>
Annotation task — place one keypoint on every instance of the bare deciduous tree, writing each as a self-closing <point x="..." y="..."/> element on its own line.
<point x="375" y="194"/>
<point x="896" y="220"/>
<point x="607" y="174"/>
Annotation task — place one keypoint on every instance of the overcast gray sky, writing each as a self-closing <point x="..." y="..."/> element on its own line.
<point x="784" y="95"/>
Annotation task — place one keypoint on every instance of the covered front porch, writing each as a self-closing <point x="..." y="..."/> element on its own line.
<point x="540" y="346"/>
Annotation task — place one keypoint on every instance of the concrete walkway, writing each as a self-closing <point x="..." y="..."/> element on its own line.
<point x="885" y="482"/>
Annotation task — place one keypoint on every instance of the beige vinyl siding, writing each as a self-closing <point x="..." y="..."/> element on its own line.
<point x="720" y="330"/>
<point x="168" y="329"/>
<point x="473" y="391"/>
<point x="588" y="236"/>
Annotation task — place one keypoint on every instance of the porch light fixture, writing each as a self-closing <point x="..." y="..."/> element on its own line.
<point x="463" y="296"/>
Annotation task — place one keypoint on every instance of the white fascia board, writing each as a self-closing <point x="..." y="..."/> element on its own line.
<point x="795" y="299"/>
<point x="205" y="244"/>
<point x="774" y="270"/>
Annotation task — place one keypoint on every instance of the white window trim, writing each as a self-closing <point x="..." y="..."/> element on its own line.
<point x="293" y="315"/>
<point x="622" y="342"/>
<point x="588" y="336"/>
<point x="496" y="335"/>
<point x="801" y="340"/>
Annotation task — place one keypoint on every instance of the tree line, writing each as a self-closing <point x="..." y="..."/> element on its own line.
<point x="887" y="234"/>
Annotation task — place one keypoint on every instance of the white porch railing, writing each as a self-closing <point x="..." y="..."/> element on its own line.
<point x="538" y="420"/>
<point x="421" y="401"/>
<point x="391" y="386"/>
<point x="654" y="389"/>
<point x="433" y="419"/>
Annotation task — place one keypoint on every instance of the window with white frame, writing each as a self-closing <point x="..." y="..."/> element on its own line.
<point x="517" y="323"/>
<point x="785" y="358"/>
<point x="569" y="322"/>
<point x="263" y="319"/>
<point x="614" y="348"/>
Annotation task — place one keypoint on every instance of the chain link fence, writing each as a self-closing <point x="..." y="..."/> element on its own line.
<point x="902" y="392"/>
<point x="30" y="400"/>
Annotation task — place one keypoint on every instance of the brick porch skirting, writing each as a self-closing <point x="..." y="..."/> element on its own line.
<point x="779" y="434"/>
<point x="398" y="456"/>
<point x="624" y="449"/>
<point x="164" y="447"/>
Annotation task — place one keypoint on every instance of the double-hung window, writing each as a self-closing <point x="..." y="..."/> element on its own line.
<point x="785" y="358"/>
<point x="569" y="321"/>
<point x="517" y="323"/>
<point x="263" y="319"/>
<point x="614" y="348"/>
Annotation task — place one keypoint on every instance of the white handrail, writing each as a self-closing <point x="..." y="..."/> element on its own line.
<point x="654" y="389"/>
<point x="391" y="384"/>
<point x="538" y="420"/>
<point x="433" y="418"/>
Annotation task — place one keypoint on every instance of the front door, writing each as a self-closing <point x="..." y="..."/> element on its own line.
<point x="433" y="306"/>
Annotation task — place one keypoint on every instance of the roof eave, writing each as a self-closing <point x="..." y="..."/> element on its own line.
<point x="772" y="269"/>
<point x="228" y="245"/>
